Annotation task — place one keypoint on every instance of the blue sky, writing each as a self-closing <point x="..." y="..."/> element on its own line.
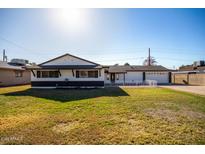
<point x="106" y="36"/>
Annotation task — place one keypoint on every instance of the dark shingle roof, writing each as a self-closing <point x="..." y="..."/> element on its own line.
<point x="191" y="68"/>
<point x="118" y="69"/>
<point x="186" y="68"/>
<point x="121" y="69"/>
<point x="5" y="65"/>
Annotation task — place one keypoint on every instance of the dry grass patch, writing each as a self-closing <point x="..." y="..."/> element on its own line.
<point x="17" y="120"/>
<point x="166" y="114"/>
<point x="66" y="127"/>
<point x="192" y="115"/>
<point x="174" y="116"/>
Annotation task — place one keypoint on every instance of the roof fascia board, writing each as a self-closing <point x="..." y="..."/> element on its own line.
<point x="68" y="55"/>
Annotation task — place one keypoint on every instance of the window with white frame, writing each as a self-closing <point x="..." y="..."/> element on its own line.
<point x="86" y="74"/>
<point x="47" y="74"/>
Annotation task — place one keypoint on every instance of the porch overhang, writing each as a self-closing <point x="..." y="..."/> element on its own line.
<point x="71" y="67"/>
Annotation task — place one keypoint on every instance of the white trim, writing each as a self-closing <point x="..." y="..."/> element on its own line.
<point x="196" y="71"/>
<point x="69" y="87"/>
<point x="43" y="87"/>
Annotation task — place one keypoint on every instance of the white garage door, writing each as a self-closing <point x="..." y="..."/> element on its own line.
<point x="160" y="77"/>
<point x="133" y="77"/>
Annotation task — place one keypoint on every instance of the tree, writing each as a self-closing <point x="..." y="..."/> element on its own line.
<point x="126" y="64"/>
<point x="152" y="61"/>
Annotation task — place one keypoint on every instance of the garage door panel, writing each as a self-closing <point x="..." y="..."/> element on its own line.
<point x="160" y="77"/>
<point x="133" y="77"/>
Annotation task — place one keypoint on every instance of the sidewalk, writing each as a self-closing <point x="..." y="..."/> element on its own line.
<point x="192" y="89"/>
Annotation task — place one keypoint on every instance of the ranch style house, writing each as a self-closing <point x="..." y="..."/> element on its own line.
<point x="71" y="71"/>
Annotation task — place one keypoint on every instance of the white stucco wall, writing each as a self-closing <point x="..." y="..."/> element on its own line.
<point x="137" y="77"/>
<point x="120" y="79"/>
<point x="130" y="77"/>
<point x="107" y="80"/>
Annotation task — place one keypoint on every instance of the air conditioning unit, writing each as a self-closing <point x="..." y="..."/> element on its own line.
<point x="19" y="61"/>
<point x="199" y="63"/>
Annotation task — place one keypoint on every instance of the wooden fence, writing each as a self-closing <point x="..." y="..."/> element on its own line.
<point x="189" y="79"/>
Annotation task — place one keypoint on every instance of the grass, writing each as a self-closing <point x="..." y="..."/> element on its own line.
<point x="101" y="116"/>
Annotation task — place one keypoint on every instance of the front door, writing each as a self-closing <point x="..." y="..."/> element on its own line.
<point x="112" y="77"/>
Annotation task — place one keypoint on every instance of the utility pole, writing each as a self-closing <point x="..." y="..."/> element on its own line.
<point x="4" y="55"/>
<point x="149" y="59"/>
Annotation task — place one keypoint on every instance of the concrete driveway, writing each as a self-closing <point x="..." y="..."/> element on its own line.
<point x="192" y="89"/>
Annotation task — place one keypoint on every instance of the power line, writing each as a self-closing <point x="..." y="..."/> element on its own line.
<point x="180" y="49"/>
<point x="174" y="59"/>
<point x="124" y="52"/>
<point x="13" y="43"/>
<point x="112" y="53"/>
<point x="120" y="59"/>
<point x="138" y="58"/>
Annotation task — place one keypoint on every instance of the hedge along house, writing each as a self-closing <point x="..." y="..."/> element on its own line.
<point x="67" y="71"/>
<point x="136" y="75"/>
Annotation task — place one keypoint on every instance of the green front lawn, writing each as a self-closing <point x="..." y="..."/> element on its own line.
<point x="101" y="116"/>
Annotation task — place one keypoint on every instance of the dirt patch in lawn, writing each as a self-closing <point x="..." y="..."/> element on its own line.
<point x="174" y="116"/>
<point x="166" y="114"/>
<point x="66" y="127"/>
<point x="192" y="114"/>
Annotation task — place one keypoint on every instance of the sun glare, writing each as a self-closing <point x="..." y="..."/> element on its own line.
<point x="74" y="18"/>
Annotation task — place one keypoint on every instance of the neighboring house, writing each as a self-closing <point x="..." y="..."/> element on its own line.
<point x="131" y="74"/>
<point x="13" y="75"/>
<point x="190" y="74"/>
<point x="192" y="69"/>
<point x="197" y="66"/>
<point x="71" y="71"/>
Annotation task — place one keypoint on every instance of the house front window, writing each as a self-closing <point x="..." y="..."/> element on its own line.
<point x="18" y="74"/>
<point x="117" y="76"/>
<point x="53" y="74"/>
<point x="92" y="74"/>
<point x="83" y="74"/>
<point x="86" y="74"/>
<point x="47" y="74"/>
<point x="108" y="76"/>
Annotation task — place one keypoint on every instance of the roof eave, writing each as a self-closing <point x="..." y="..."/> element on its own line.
<point x="67" y="54"/>
<point x="6" y="68"/>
